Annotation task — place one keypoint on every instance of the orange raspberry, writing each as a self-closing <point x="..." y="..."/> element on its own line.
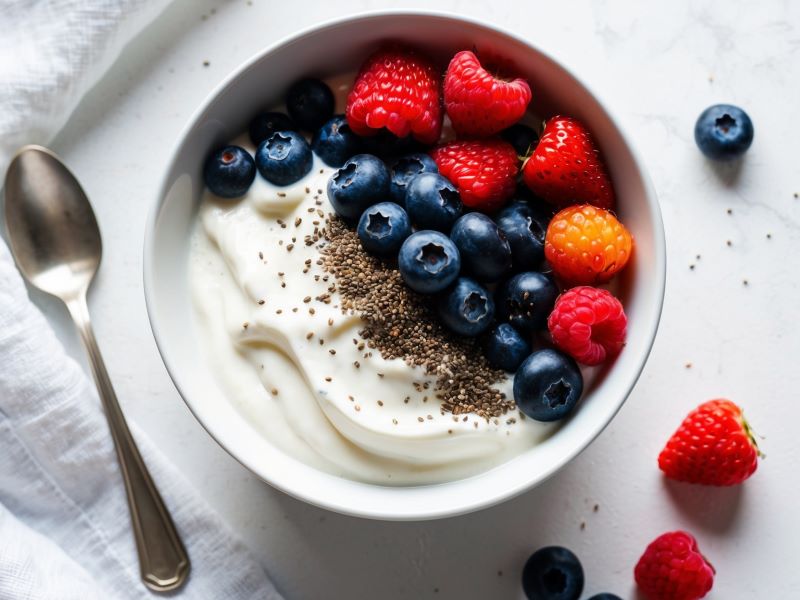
<point x="587" y="245"/>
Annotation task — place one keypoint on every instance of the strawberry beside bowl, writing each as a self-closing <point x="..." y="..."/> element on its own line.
<point x="340" y="47"/>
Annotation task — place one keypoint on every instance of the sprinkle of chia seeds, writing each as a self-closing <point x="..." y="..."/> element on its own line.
<point x="308" y="190"/>
<point x="730" y="211"/>
<point x="330" y="322"/>
<point x="294" y="310"/>
<point x="261" y="255"/>
<point x="691" y="267"/>
<point x="320" y="191"/>
<point x="769" y="236"/>
<point x="283" y="285"/>
<point x="595" y="508"/>
<point x="321" y="341"/>
<point x="245" y="325"/>
<point x="309" y="335"/>
<point x="380" y="402"/>
<point x="279" y="311"/>
<point x="289" y="247"/>
<point x="297" y="222"/>
<point x="307" y="299"/>
<point x="420" y="419"/>
<point x="394" y="421"/>
<point x="274" y="391"/>
<point x="688" y="365"/>
<point x="356" y="364"/>
<point x="311" y="311"/>
<point x="329" y="379"/>
<point x="729" y="243"/>
<point x="745" y="282"/>
<point x="357" y="407"/>
<point x="311" y="209"/>
<point x="281" y="194"/>
<point x="332" y="352"/>
<point x="262" y="301"/>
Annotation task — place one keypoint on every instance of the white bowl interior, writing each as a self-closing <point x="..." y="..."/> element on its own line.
<point x="336" y="48"/>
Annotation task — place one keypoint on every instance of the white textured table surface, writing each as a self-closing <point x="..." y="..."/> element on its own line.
<point x="657" y="65"/>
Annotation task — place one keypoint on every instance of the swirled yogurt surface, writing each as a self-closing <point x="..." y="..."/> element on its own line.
<point x="287" y="360"/>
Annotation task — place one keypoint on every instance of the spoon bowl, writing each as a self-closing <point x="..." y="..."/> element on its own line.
<point x="57" y="245"/>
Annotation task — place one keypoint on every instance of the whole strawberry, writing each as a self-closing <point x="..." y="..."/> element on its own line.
<point x="566" y="168"/>
<point x="484" y="171"/>
<point x="396" y="89"/>
<point x="672" y="568"/>
<point x="713" y="446"/>
<point x="478" y="103"/>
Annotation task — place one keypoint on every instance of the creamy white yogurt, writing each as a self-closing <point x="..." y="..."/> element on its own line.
<point x="262" y="339"/>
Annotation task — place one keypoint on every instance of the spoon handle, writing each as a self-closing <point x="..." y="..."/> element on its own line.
<point x="163" y="561"/>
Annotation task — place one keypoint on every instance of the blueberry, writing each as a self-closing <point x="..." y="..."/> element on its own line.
<point x="467" y="307"/>
<point x="383" y="228"/>
<point x="229" y="172"/>
<point x="522" y="137"/>
<point x="387" y="145"/>
<point x="506" y="348"/>
<point x="362" y="181"/>
<point x="310" y="103"/>
<point x="723" y="132"/>
<point x="428" y="261"/>
<point x="605" y="596"/>
<point x="525" y="226"/>
<point x="485" y="252"/>
<point x="405" y="169"/>
<point x="552" y="573"/>
<point x="525" y="301"/>
<point x="547" y="385"/>
<point x="265" y="124"/>
<point x="284" y="157"/>
<point x="432" y="202"/>
<point x="335" y="142"/>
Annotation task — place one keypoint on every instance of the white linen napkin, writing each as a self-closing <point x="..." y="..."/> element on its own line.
<point x="64" y="525"/>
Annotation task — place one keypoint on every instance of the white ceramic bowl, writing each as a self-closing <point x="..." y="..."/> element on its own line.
<point x="340" y="46"/>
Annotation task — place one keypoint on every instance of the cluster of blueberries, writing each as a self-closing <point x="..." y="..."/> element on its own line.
<point x="460" y="258"/>
<point x="486" y="273"/>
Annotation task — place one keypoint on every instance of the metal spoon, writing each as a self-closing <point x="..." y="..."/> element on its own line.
<point x="56" y="242"/>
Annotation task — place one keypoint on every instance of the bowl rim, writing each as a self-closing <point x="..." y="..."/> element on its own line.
<point x="493" y="497"/>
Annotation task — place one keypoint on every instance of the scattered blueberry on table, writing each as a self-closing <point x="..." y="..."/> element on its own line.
<point x="723" y="132"/>
<point x="229" y="172"/>
<point x="553" y="573"/>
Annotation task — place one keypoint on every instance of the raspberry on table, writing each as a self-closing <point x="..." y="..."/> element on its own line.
<point x="398" y="90"/>
<point x="587" y="245"/>
<point x="484" y="171"/>
<point x="713" y="446"/>
<point x="589" y="324"/>
<point x="672" y="568"/>
<point x="478" y="103"/>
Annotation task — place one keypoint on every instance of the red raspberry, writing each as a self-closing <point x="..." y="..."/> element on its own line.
<point x="484" y="171"/>
<point x="399" y="90"/>
<point x="588" y="324"/>
<point x="587" y="245"/>
<point x="478" y="103"/>
<point x="566" y="168"/>
<point x="672" y="568"/>
<point x="713" y="446"/>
